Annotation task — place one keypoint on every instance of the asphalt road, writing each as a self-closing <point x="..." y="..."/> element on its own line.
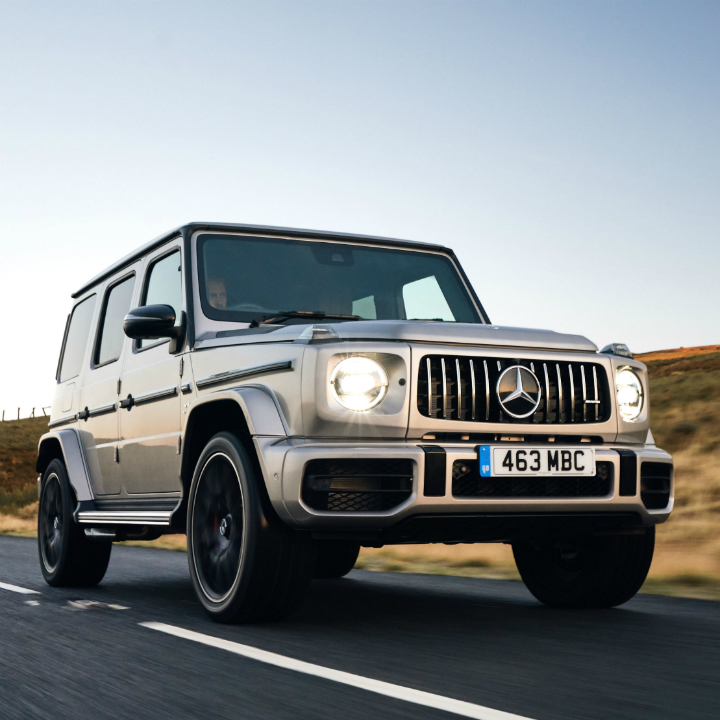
<point x="485" y="642"/>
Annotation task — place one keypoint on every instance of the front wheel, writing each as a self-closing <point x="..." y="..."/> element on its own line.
<point x="589" y="572"/>
<point x="245" y="565"/>
<point x="67" y="557"/>
<point x="335" y="558"/>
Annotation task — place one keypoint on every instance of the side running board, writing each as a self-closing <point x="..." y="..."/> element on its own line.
<point x="124" y="517"/>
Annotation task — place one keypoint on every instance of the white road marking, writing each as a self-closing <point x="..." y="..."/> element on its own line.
<point x="32" y="602"/>
<point x="15" y="588"/>
<point x="419" y="697"/>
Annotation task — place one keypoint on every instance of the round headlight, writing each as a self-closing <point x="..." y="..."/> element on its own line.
<point x="359" y="383"/>
<point x="629" y="395"/>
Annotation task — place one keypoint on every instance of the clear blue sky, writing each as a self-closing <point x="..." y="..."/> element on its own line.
<point x="568" y="151"/>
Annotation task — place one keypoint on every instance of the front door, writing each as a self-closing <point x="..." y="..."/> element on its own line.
<point x="150" y="389"/>
<point x="99" y="393"/>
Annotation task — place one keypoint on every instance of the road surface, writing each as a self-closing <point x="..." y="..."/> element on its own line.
<point x="485" y="643"/>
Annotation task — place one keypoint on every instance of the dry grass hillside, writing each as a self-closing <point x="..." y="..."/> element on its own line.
<point x="685" y="420"/>
<point x="18" y="452"/>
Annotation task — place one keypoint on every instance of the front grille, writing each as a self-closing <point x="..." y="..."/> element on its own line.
<point x="467" y="482"/>
<point x="655" y="480"/>
<point x="357" y="485"/>
<point x="452" y="387"/>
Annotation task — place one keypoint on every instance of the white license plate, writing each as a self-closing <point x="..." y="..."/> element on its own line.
<point x="506" y="460"/>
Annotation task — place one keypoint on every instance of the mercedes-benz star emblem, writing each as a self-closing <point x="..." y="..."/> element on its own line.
<point x="518" y="391"/>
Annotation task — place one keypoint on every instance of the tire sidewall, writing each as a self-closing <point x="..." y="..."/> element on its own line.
<point x="228" y="445"/>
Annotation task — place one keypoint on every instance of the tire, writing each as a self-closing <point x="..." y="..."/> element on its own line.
<point x="335" y="558"/>
<point x="245" y="565"/>
<point x="67" y="557"/>
<point x="591" y="572"/>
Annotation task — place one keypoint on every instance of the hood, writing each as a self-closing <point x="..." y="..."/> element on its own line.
<point x="414" y="331"/>
<point x="462" y="334"/>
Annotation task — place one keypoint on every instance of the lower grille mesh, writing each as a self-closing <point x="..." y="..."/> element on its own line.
<point x="468" y="483"/>
<point x="357" y="485"/>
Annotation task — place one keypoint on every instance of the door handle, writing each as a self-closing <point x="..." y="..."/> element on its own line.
<point x="131" y="401"/>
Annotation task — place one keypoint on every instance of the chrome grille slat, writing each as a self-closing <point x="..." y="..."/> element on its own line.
<point x="429" y="389"/>
<point x="444" y="387"/>
<point x="472" y="385"/>
<point x="459" y="390"/>
<point x="560" y="398"/>
<point x="596" y="398"/>
<point x="560" y="395"/>
<point x="487" y="392"/>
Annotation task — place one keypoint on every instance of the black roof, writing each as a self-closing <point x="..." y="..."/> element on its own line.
<point x="189" y="228"/>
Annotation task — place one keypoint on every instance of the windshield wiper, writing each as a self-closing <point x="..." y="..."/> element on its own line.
<point x="303" y="314"/>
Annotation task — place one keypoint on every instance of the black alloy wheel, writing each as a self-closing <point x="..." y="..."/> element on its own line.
<point x="51" y="524"/>
<point x="245" y="563"/>
<point x="586" y="572"/>
<point x="67" y="557"/>
<point x="217" y="527"/>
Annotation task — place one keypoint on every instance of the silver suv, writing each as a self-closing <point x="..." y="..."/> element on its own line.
<point x="285" y="397"/>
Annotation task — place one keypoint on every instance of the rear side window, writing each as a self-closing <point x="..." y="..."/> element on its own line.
<point x="164" y="287"/>
<point x="76" y="339"/>
<point x="117" y="306"/>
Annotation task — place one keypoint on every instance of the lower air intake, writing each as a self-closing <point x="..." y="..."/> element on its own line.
<point x="357" y="485"/>
<point x="468" y="483"/>
<point x="655" y="481"/>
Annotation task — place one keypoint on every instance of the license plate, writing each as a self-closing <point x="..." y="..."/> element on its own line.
<point x="525" y="461"/>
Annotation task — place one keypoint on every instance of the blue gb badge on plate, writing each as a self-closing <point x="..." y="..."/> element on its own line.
<point x="485" y="468"/>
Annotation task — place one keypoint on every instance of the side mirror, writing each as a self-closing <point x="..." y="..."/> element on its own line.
<point x="155" y="321"/>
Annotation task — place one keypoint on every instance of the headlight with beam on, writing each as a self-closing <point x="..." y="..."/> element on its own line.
<point x="629" y="395"/>
<point x="359" y="383"/>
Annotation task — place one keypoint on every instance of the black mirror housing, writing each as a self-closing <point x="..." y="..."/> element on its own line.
<point x="151" y="322"/>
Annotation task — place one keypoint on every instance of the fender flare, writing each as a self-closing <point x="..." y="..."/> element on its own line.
<point x="265" y="421"/>
<point x="258" y="404"/>
<point x="73" y="456"/>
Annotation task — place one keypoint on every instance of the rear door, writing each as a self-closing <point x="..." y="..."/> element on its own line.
<point x="149" y="450"/>
<point x="100" y="385"/>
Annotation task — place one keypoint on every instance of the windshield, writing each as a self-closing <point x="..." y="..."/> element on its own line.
<point x="252" y="278"/>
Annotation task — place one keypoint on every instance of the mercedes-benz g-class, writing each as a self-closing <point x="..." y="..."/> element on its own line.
<point x="285" y="397"/>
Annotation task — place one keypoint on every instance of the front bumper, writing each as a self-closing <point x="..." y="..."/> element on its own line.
<point x="283" y="463"/>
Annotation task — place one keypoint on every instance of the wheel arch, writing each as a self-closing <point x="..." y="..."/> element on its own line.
<point x="65" y="445"/>
<point x="246" y="412"/>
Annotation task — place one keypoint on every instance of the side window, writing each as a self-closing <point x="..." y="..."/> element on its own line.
<point x="76" y="340"/>
<point x="163" y="286"/>
<point x="117" y="306"/>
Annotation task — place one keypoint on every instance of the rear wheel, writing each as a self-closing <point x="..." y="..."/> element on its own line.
<point x="589" y="572"/>
<point x="245" y="565"/>
<point x="67" y="557"/>
<point x="335" y="558"/>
